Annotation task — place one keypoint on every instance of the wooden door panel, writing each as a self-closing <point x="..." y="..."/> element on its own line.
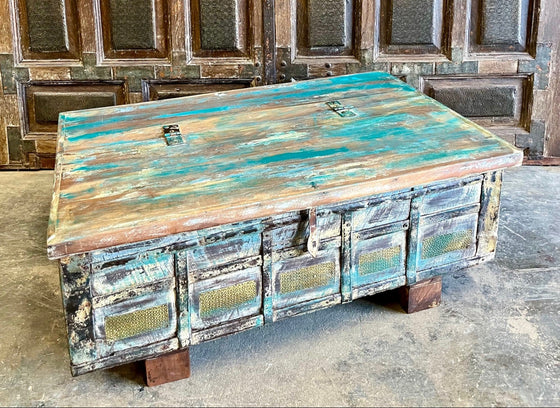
<point x="415" y="27"/>
<point x="153" y="90"/>
<point x="324" y="27"/>
<point x="46" y="30"/>
<point x="42" y="102"/>
<point x="223" y="38"/>
<point x="318" y="38"/>
<point x="500" y="103"/>
<point x="131" y="30"/>
<point x="498" y="26"/>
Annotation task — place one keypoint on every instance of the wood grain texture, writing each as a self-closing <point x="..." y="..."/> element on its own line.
<point x="5" y="28"/>
<point x="489" y="213"/>
<point x="167" y="368"/>
<point x="252" y="153"/>
<point x="421" y="296"/>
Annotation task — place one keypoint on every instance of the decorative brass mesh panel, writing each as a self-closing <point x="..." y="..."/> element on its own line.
<point x="327" y="22"/>
<point x="309" y="277"/>
<point x="378" y="261"/>
<point x="219" y="25"/>
<point x="131" y="324"/>
<point x="218" y="300"/>
<point x="441" y="244"/>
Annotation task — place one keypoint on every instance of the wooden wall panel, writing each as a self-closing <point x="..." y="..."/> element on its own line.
<point x="153" y="90"/>
<point x="220" y="29"/>
<point x="47" y="30"/>
<point x="415" y="26"/>
<point x="43" y="101"/>
<point x="325" y="27"/>
<point x="498" y="26"/>
<point x="132" y="29"/>
<point x="500" y="103"/>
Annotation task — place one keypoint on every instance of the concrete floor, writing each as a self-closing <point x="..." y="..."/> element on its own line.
<point x="495" y="340"/>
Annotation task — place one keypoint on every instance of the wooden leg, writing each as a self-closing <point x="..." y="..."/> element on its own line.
<point x="422" y="295"/>
<point x="167" y="368"/>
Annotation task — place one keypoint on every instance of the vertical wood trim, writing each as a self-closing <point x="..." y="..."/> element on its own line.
<point x="86" y="18"/>
<point x="489" y="213"/>
<point x="269" y="42"/>
<point x="346" y="266"/>
<point x="283" y="19"/>
<point x="6" y="36"/>
<point x="367" y="23"/>
<point x="267" y="276"/>
<point x="549" y="32"/>
<point x="183" y="306"/>
<point x="177" y="25"/>
<point x="414" y="231"/>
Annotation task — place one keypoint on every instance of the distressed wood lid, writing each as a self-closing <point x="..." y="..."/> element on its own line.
<point x="243" y="154"/>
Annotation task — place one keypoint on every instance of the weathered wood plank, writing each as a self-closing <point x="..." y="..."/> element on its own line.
<point x="247" y="157"/>
<point x="451" y="198"/>
<point x="137" y="272"/>
<point x="127" y="356"/>
<point x="489" y="213"/>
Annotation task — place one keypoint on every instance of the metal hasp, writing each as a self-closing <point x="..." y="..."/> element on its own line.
<point x="173" y="135"/>
<point x="344" y="111"/>
<point x="313" y="241"/>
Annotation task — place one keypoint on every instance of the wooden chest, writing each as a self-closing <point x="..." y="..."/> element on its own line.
<point x="181" y="221"/>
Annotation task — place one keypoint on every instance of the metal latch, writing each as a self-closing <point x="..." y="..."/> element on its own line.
<point x="313" y="240"/>
<point x="173" y="135"/>
<point x="344" y="111"/>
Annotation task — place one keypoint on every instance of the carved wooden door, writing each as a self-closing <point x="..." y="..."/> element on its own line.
<point x="488" y="59"/>
<point x="58" y="55"/>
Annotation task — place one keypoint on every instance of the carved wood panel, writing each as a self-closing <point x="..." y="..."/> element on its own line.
<point x="415" y="27"/>
<point x="44" y="101"/>
<point x="132" y="29"/>
<point x="505" y="27"/>
<point x="223" y="38"/>
<point x="153" y="90"/>
<point x="499" y="103"/>
<point x="46" y="30"/>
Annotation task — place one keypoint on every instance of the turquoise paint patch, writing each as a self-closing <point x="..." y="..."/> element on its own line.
<point x="298" y="155"/>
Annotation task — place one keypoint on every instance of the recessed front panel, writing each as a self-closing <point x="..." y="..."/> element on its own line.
<point x="450" y="198"/>
<point x="44" y="101"/>
<point x="383" y="213"/>
<point x="225" y="298"/>
<point x="302" y="277"/>
<point x="446" y="239"/>
<point x="295" y="231"/>
<point x="224" y="251"/>
<point x="133" y="29"/>
<point x="378" y="258"/>
<point x="48" y="30"/>
<point x="498" y="26"/>
<point x="136" y="321"/>
<point x="121" y="275"/>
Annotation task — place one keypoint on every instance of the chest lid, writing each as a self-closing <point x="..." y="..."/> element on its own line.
<point x="130" y="173"/>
